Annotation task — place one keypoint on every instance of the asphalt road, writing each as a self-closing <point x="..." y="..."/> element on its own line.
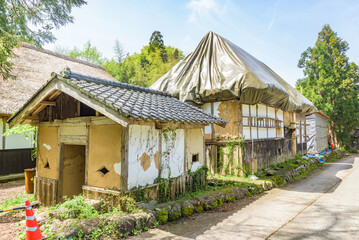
<point x="325" y="205"/>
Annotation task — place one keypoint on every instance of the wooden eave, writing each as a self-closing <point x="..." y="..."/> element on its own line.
<point x="48" y="93"/>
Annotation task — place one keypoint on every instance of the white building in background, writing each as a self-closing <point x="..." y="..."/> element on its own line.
<point x="317" y="132"/>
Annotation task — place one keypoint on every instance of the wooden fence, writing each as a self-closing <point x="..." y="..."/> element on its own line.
<point x="158" y="191"/>
<point x="15" y="161"/>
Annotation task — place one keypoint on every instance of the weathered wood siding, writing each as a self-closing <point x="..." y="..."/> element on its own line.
<point x="15" y="161"/>
<point x="267" y="152"/>
<point x="46" y="190"/>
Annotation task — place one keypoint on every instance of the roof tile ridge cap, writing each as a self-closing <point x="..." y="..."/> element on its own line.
<point x="59" y="55"/>
<point x="114" y="83"/>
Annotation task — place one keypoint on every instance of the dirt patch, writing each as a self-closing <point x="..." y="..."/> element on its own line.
<point x="10" y="189"/>
<point x="8" y="228"/>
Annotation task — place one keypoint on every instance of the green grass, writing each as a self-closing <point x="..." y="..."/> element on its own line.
<point x="17" y="201"/>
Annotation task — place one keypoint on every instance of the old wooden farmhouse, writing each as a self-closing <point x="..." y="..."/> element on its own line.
<point x="32" y="67"/>
<point x="261" y="108"/>
<point x="96" y="135"/>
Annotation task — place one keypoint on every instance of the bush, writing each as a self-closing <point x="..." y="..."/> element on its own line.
<point x="77" y="208"/>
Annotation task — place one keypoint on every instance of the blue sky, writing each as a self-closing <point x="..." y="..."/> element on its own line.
<point x="275" y="32"/>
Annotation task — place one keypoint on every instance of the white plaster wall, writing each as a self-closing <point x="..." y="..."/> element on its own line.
<point x="207" y="108"/>
<point x="246" y="133"/>
<point x="253" y="110"/>
<point x="17" y="141"/>
<point x="322" y="133"/>
<point x="142" y="139"/>
<point x="280" y="116"/>
<point x="215" y="108"/>
<point x="1" y="127"/>
<point x="271" y="112"/>
<point x="262" y="132"/>
<point x="272" y="133"/>
<point x="173" y="155"/>
<point x="254" y="133"/>
<point x="262" y="111"/>
<point x="245" y="110"/>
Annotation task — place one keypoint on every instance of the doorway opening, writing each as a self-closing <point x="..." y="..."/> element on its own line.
<point x="73" y="173"/>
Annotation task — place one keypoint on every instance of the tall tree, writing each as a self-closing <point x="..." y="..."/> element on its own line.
<point x="331" y="83"/>
<point x="30" y="21"/>
<point x="157" y="43"/>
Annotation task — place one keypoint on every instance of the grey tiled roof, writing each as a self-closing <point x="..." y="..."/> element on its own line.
<point x="138" y="102"/>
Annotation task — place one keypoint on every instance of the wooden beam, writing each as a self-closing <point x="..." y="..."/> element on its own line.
<point x="159" y="153"/>
<point x="240" y="121"/>
<point x="33" y="103"/>
<point x="93" y="103"/>
<point x="124" y="158"/>
<point x="212" y="126"/>
<point x="3" y="131"/>
<point x="48" y="103"/>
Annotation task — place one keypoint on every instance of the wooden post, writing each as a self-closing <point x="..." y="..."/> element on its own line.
<point x="257" y="120"/>
<point x="267" y="123"/>
<point x="213" y="159"/>
<point x="87" y="152"/>
<point x="250" y="121"/>
<point x="124" y="158"/>
<point x="185" y="152"/>
<point x="3" y="131"/>
<point x="159" y="153"/>
<point x="240" y="121"/>
<point x="305" y="134"/>
<point x="212" y="126"/>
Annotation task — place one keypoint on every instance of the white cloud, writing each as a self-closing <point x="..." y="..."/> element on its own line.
<point x="203" y="10"/>
<point x="270" y="25"/>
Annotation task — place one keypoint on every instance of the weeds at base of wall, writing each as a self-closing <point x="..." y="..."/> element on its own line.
<point x="229" y="167"/>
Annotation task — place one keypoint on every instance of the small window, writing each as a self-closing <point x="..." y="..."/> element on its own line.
<point x="195" y="158"/>
<point x="47" y="165"/>
<point x="279" y="151"/>
<point x="103" y="171"/>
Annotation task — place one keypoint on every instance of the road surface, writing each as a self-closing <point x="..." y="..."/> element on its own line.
<point x="325" y="205"/>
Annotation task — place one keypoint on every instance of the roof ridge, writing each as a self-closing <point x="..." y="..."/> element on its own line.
<point x="59" y="55"/>
<point x="67" y="73"/>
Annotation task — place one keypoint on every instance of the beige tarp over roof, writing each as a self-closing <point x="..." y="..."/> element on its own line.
<point x="219" y="70"/>
<point x="32" y="68"/>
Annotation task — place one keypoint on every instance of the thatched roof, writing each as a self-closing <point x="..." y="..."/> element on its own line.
<point x="32" y="68"/>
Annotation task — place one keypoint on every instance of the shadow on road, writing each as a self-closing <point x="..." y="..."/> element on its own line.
<point x="326" y="180"/>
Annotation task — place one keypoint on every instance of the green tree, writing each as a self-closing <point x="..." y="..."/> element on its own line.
<point x="157" y="43"/>
<point x="88" y="53"/>
<point x="140" y="69"/>
<point x="331" y="83"/>
<point x="30" y="21"/>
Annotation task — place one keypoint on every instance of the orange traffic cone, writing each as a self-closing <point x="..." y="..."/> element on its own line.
<point x="32" y="229"/>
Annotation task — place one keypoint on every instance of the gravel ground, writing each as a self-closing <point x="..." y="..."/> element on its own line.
<point x="8" y="228"/>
